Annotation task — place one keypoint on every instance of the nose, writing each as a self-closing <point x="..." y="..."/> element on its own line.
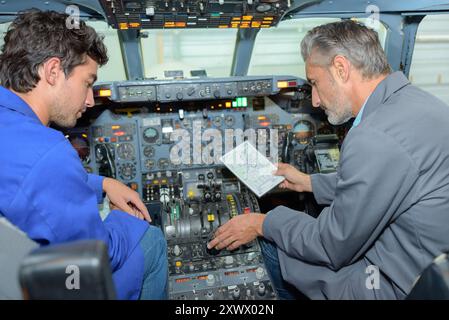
<point x="316" y="102"/>
<point x="90" y="102"/>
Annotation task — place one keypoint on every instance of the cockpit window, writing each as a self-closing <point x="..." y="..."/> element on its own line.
<point x="3" y="29"/>
<point x="430" y="64"/>
<point x="114" y="69"/>
<point x="277" y="50"/>
<point x="188" y="49"/>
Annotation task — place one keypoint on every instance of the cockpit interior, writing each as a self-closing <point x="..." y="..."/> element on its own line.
<point x="189" y="80"/>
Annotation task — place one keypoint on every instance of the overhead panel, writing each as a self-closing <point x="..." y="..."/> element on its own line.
<point x="148" y="14"/>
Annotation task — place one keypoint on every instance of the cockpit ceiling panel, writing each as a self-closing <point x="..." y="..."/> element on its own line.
<point x="161" y="14"/>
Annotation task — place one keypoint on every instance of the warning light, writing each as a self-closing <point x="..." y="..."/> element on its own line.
<point x="282" y="84"/>
<point x="134" y="24"/>
<point x="105" y="93"/>
<point x="182" y="280"/>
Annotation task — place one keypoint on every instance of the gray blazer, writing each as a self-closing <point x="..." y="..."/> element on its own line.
<point x="388" y="203"/>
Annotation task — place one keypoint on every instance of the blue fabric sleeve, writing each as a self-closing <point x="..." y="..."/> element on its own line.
<point x="62" y="207"/>
<point x="95" y="182"/>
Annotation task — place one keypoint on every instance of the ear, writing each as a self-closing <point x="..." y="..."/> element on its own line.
<point x="342" y="67"/>
<point x="52" y="70"/>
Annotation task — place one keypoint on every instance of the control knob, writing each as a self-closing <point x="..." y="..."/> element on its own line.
<point x="177" y="251"/>
<point x="261" y="289"/>
<point x="210" y="280"/>
<point x="260" y="273"/>
<point x="236" y="293"/>
<point x="209" y="295"/>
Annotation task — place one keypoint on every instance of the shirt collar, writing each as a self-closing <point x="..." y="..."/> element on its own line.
<point x="359" y="115"/>
<point x="10" y="100"/>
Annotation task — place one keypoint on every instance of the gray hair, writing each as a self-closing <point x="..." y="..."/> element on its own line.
<point x="353" y="40"/>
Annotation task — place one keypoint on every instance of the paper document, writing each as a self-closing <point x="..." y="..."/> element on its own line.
<point x="252" y="168"/>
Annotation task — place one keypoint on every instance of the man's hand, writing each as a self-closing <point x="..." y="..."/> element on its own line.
<point x="294" y="179"/>
<point x="125" y="199"/>
<point x="238" y="231"/>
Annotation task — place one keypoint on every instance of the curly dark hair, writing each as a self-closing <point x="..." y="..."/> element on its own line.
<point x="36" y="36"/>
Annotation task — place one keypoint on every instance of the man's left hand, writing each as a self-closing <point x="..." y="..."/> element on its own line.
<point x="238" y="231"/>
<point x="125" y="199"/>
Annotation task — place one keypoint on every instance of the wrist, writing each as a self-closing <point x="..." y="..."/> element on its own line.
<point x="308" y="183"/>
<point x="259" y="224"/>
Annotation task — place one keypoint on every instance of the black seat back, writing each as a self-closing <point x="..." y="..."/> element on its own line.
<point x="77" y="270"/>
<point x="433" y="284"/>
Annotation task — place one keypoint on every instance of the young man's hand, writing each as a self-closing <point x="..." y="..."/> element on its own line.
<point x="294" y="179"/>
<point x="123" y="198"/>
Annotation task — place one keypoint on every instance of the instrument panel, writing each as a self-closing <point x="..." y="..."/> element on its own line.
<point x="167" y="146"/>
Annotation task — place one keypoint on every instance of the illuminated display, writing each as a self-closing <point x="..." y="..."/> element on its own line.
<point x="182" y="280"/>
<point x="240" y="102"/>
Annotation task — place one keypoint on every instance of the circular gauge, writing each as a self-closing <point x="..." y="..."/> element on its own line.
<point x="125" y="151"/>
<point x="303" y="131"/>
<point x="150" y="135"/>
<point x="148" y="152"/>
<point x="217" y="121"/>
<point x="149" y="164"/>
<point x="263" y="7"/>
<point x="163" y="163"/>
<point x="229" y="120"/>
<point x="127" y="171"/>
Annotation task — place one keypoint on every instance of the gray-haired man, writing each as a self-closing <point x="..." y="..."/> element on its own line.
<point x="388" y="203"/>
